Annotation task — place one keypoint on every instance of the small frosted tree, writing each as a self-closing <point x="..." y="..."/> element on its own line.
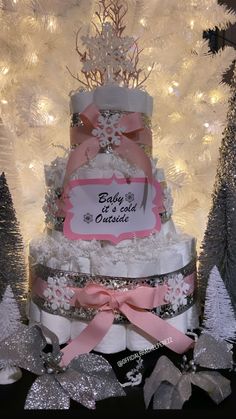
<point x="9" y="323"/>
<point x="12" y="257"/>
<point x="9" y="314"/>
<point x="219" y="320"/>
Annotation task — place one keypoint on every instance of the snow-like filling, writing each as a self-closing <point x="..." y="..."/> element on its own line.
<point x="105" y="258"/>
<point x="102" y="166"/>
<point x="58" y="252"/>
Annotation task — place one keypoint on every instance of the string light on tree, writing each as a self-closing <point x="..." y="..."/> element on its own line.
<point x="51" y="23"/>
<point x="199" y="96"/>
<point x="180" y="166"/>
<point x="143" y="22"/>
<point x="32" y="58"/>
<point x="208" y="139"/>
<point x="192" y="24"/>
<point x="4" y="70"/>
<point x="170" y="90"/>
<point x="215" y="96"/>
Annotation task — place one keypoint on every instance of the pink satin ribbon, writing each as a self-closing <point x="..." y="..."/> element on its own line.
<point x="128" y="148"/>
<point x="133" y="304"/>
<point x="39" y="286"/>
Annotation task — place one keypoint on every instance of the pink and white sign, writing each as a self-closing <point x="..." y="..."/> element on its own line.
<point x="112" y="209"/>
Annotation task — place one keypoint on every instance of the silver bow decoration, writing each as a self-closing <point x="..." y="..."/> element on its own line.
<point x="87" y="379"/>
<point x="24" y="349"/>
<point x="171" y="387"/>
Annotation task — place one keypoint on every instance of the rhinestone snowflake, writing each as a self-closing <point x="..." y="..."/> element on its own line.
<point x="57" y="294"/>
<point x="109" y="53"/>
<point x="129" y="197"/>
<point x="177" y="290"/>
<point x="88" y="218"/>
<point x="108" y="132"/>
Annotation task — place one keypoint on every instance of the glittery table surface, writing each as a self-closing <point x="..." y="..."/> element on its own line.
<point x="12" y="397"/>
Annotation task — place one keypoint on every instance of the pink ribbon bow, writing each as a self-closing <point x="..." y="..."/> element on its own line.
<point x="133" y="304"/>
<point x="126" y="146"/>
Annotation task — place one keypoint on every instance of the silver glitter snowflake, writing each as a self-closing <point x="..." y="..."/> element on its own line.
<point x="129" y="197"/>
<point x="57" y="294"/>
<point x="177" y="290"/>
<point x="108" y="52"/>
<point x="88" y="218"/>
<point x="108" y="132"/>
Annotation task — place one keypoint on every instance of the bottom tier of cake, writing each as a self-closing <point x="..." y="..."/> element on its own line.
<point x="118" y="338"/>
<point x="61" y="269"/>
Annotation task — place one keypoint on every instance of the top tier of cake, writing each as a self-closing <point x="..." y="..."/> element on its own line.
<point x="114" y="98"/>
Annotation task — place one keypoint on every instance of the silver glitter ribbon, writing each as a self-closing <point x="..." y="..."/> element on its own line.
<point x="77" y="279"/>
<point x="24" y="349"/>
<point x="87" y="379"/>
<point x="76" y="120"/>
<point x="170" y="387"/>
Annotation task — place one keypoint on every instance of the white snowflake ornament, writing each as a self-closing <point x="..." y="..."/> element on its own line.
<point x="107" y="52"/>
<point x="57" y="294"/>
<point x="177" y="290"/>
<point x="108" y="131"/>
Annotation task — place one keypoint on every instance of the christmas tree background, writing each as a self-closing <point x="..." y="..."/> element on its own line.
<point x="38" y="40"/>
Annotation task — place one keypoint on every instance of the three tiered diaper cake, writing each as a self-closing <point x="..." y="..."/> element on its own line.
<point x="111" y="272"/>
